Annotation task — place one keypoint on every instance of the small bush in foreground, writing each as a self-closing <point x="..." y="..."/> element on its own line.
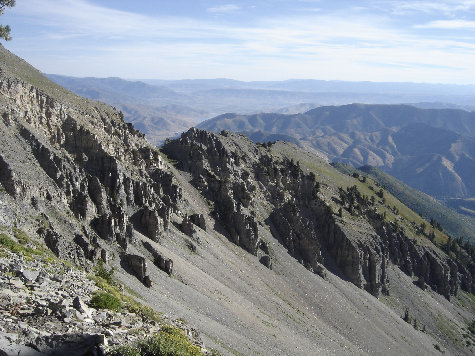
<point x="7" y="242"/>
<point x="105" y="301"/>
<point x="21" y="236"/>
<point x="169" y="341"/>
<point x="101" y="271"/>
<point x="471" y="327"/>
<point x="15" y="247"/>
<point x="128" y="301"/>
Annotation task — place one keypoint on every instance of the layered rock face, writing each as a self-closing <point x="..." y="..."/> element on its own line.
<point x="59" y="153"/>
<point x="216" y="174"/>
<point x="249" y="189"/>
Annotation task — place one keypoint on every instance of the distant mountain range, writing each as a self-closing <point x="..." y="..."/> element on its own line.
<point x="162" y="108"/>
<point x="158" y="112"/>
<point x="319" y="86"/>
<point x="432" y="150"/>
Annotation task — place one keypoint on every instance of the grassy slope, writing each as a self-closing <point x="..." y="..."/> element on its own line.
<point x="17" y="68"/>
<point x="454" y="223"/>
<point x="333" y="178"/>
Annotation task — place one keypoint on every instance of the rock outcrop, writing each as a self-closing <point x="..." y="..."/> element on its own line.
<point x="138" y="264"/>
<point x="188" y="227"/>
<point x="212" y="168"/>
<point x="152" y="223"/>
<point x="162" y="262"/>
<point x="231" y="172"/>
<point x="57" y="320"/>
<point x="198" y="220"/>
<point x="85" y="160"/>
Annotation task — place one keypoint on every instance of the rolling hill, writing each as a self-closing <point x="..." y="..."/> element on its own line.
<point x="432" y="150"/>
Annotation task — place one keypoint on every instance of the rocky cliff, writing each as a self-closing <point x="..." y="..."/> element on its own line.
<point x="98" y="168"/>
<point x="82" y="182"/>
<point x="248" y="188"/>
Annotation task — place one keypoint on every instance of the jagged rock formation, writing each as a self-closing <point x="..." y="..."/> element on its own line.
<point x="139" y="266"/>
<point x="187" y="227"/>
<point x="99" y="168"/>
<point x="165" y="264"/>
<point x="239" y="179"/>
<point x="210" y="166"/>
<point x="152" y="223"/>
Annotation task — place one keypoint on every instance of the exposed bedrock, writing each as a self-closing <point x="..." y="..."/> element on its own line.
<point x="8" y="179"/>
<point x="97" y="168"/>
<point x="138" y="264"/>
<point x="231" y="172"/>
<point x="152" y="223"/>
<point x="159" y="260"/>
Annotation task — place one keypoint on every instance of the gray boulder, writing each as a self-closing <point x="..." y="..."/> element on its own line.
<point x="138" y="264"/>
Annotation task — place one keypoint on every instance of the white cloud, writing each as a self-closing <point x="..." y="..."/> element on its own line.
<point x="445" y="7"/>
<point x="450" y="25"/>
<point x="224" y="9"/>
<point x="86" y="39"/>
<point x="78" y="17"/>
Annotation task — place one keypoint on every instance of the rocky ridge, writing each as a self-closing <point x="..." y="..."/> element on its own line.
<point x="100" y="169"/>
<point x="249" y="189"/>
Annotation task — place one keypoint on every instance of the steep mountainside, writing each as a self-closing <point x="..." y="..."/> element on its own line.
<point x="265" y="249"/>
<point x="464" y="206"/>
<point x="432" y="150"/>
<point x="454" y="223"/>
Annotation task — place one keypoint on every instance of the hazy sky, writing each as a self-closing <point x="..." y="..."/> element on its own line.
<point x="419" y="41"/>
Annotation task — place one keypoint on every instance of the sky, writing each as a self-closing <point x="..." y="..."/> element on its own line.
<point x="387" y="40"/>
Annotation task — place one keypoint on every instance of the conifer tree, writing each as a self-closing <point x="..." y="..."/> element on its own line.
<point x="5" y="30"/>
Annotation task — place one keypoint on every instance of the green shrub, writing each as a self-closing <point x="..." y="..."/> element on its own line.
<point x="471" y="327"/>
<point x="15" y="247"/>
<point x="21" y="236"/>
<point x="104" y="300"/>
<point x="406" y="316"/>
<point x="167" y="342"/>
<point x="8" y="243"/>
<point x="128" y="301"/>
<point x="101" y="271"/>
